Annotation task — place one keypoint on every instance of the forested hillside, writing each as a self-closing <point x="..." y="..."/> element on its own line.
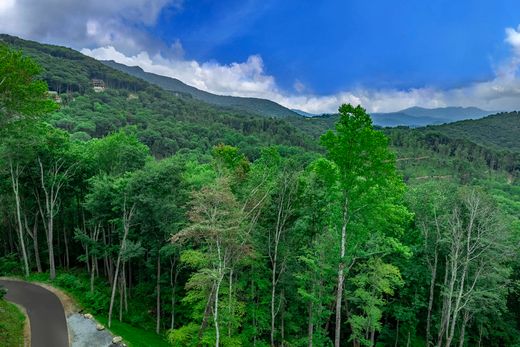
<point x="499" y="132"/>
<point x="215" y="228"/>
<point x="163" y="121"/>
<point x="257" y="106"/>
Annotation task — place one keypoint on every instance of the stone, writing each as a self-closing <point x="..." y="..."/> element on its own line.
<point x="100" y="327"/>
<point x="117" y="339"/>
<point x="88" y="316"/>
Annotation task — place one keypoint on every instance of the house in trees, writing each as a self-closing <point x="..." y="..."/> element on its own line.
<point x="98" y="85"/>
<point x="54" y="95"/>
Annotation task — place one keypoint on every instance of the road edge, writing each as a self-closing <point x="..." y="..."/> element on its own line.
<point x="26" y="326"/>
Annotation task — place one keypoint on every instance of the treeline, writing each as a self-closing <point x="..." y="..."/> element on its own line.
<point x="434" y="139"/>
<point x="211" y="246"/>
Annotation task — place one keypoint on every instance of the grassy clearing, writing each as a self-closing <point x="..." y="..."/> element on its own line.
<point x="12" y="322"/>
<point x="135" y="337"/>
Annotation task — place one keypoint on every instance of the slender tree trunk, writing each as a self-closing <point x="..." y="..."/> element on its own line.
<point x="67" y="263"/>
<point x="173" y="283"/>
<point x="310" y="324"/>
<point x="430" y="299"/>
<point x="15" y="173"/>
<point x="221" y="269"/>
<point x="207" y="311"/>
<point x="50" y="243"/>
<point x="92" y="276"/>
<point x="158" y="307"/>
<point x="397" y="335"/>
<point x="121" y="297"/>
<point x="273" y="292"/>
<point x="215" y="312"/>
<point x="127" y="217"/>
<point x="230" y="297"/>
<point x="341" y="276"/>
<point x="34" y="237"/>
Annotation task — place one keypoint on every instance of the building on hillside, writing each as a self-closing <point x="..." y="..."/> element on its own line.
<point x="98" y="85"/>
<point x="54" y="95"/>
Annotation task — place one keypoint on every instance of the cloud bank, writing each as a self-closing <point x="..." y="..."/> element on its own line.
<point x="117" y="30"/>
<point x="85" y="23"/>
<point x="250" y="79"/>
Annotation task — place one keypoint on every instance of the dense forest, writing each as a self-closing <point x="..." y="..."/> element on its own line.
<point x="216" y="228"/>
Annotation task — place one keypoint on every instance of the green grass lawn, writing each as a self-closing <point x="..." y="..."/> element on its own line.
<point x="12" y="322"/>
<point x="134" y="336"/>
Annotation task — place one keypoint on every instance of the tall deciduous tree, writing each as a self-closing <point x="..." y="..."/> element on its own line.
<point x="365" y="179"/>
<point x="23" y="97"/>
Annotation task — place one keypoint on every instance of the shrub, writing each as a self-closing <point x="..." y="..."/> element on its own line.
<point x="10" y="265"/>
<point x="3" y="291"/>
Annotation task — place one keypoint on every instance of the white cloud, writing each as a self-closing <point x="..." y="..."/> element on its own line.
<point x="84" y="23"/>
<point x="249" y="79"/>
<point x="116" y="30"/>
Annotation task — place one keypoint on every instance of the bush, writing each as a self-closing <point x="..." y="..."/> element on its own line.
<point x="10" y="265"/>
<point x="3" y="291"/>
<point x="97" y="302"/>
<point x="68" y="281"/>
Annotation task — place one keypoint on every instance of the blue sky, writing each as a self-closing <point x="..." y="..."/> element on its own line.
<point x="333" y="45"/>
<point x="311" y="55"/>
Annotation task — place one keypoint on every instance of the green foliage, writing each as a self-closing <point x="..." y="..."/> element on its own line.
<point x="230" y="213"/>
<point x="21" y="94"/>
<point x="10" y="265"/>
<point x="12" y="323"/>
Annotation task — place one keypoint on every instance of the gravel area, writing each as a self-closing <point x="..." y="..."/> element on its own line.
<point x="85" y="334"/>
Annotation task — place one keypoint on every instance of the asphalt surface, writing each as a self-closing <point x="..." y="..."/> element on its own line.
<point x="45" y="311"/>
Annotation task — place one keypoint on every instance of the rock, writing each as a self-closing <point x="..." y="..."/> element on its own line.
<point x="88" y="316"/>
<point x="100" y="327"/>
<point x="117" y="339"/>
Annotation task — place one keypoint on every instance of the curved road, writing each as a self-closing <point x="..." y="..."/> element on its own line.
<point x="48" y="323"/>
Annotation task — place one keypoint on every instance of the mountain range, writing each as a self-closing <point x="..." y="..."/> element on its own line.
<point x="258" y="106"/>
<point x="412" y="117"/>
<point x="418" y="116"/>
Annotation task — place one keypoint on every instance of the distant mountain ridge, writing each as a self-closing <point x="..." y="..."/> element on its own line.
<point x="419" y="116"/>
<point x="258" y="106"/>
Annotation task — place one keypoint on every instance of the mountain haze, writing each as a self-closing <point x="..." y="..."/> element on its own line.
<point x="419" y="116"/>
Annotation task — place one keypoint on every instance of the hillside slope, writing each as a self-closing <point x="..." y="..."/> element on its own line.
<point x="418" y="116"/>
<point x="500" y="131"/>
<point x="251" y="105"/>
<point x="165" y="122"/>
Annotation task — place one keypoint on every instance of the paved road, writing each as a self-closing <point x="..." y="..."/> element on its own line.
<point x="48" y="323"/>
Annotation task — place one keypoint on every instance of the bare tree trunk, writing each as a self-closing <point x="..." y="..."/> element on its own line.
<point x="284" y="206"/>
<point x="230" y="297"/>
<point x="127" y="218"/>
<point x="207" y="311"/>
<point x="433" y="269"/>
<point x="430" y="299"/>
<point x="310" y="324"/>
<point x="121" y="297"/>
<point x="67" y="263"/>
<point x="215" y="313"/>
<point x="273" y="292"/>
<point x="397" y="335"/>
<point x="95" y="236"/>
<point x="173" y="283"/>
<point x="15" y="174"/>
<point x="221" y="269"/>
<point x="158" y="308"/>
<point x="51" y="191"/>
<point x="34" y="236"/>
<point x="341" y="276"/>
